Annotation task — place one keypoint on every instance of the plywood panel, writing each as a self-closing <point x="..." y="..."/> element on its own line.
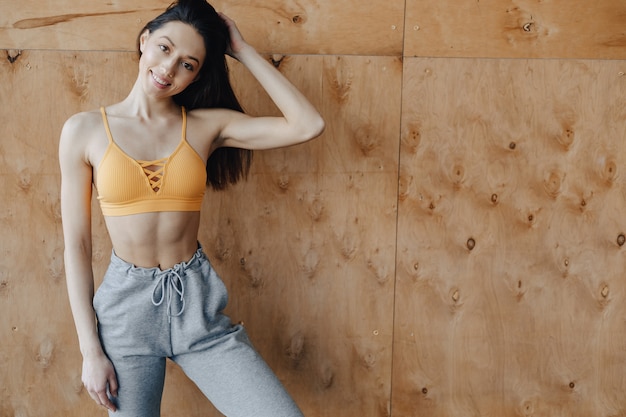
<point x="307" y="244"/>
<point x="516" y="29"/>
<point x="360" y="97"/>
<point x="337" y="27"/>
<point x="39" y="359"/>
<point x="70" y="25"/>
<point x="315" y="296"/>
<point x="510" y="286"/>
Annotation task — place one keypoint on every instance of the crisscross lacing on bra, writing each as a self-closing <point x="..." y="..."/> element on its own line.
<point x="154" y="172"/>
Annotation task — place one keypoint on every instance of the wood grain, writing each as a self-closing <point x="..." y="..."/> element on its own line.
<point x="516" y="29"/>
<point x="307" y="243"/>
<point x="453" y="244"/>
<point x="272" y="26"/>
<point x="305" y="249"/>
<point x="510" y="255"/>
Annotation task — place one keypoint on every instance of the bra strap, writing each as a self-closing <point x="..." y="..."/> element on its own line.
<point x="184" y="123"/>
<point x="105" y="121"/>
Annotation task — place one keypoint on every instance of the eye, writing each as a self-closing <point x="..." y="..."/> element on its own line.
<point x="164" y="48"/>
<point x="187" y="66"/>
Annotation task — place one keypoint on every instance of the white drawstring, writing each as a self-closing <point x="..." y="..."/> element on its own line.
<point x="169" y="283"/>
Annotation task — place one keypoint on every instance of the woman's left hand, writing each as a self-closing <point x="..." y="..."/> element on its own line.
<point x="237" y="43"/>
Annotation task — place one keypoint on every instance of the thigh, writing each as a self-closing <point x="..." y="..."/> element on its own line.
<point x="235" y="378"/>
<point x="140" y="380"/>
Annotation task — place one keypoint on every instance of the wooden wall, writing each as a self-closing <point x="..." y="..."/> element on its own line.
<point x="453" y="245"/>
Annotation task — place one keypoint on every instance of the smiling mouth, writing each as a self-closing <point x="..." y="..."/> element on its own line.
<point x="159" y="80"/>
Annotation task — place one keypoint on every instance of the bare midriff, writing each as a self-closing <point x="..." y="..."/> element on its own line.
<point x="161" y="239"/>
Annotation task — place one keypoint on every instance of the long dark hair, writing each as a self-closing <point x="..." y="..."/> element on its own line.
<point x="212" y="89"/>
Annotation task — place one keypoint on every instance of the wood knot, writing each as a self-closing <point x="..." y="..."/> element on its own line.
<point x="341" y="82"/>
<point x="528" y="408"/>
<point x="494" y="198"/>
<point x="458" y="174"/>
<point x="295" y="351"/>
<point x="327" y="378"/>
<point x="349" y="247"/>
<point x="297" y="19"/>
<point x="553" y="183"/>
<point x="471" y="243"/>
<point x="44" y="356"/>
<point x="572" y="385"/>
<point x="609" y="171"/>
<point x="256" y="280"/>
<point x="277" y="60"/>
<point x="605" y="291"/>
<point x="567" y="138"/>
<point x="25" y="180"/>
<point x="512" y="145"/>
<point x="366" y="138"/>
<point x="283" y="182"/>
<point x="316" y="209"/>
<point x="424" y="390"/>
<point x="412" y="138"/>
<point x="369" y="360"/>
<point x="456" y="296"/>
<point x="621" y="239"/>
<point x="13" y="55"/>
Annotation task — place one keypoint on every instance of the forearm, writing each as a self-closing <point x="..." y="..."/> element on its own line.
<point x="80" y="287"/>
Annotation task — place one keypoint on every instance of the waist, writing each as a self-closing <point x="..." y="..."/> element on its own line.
<point x="154" y="239"/>
<point x="150" y="272"/>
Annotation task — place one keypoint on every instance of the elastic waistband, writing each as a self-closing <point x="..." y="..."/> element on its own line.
<point x="156" y="272"/>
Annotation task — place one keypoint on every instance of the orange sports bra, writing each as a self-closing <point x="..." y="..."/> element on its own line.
<point x="128" y="186"/>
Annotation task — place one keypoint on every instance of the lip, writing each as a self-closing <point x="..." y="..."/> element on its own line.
<point x="158" y="81"/>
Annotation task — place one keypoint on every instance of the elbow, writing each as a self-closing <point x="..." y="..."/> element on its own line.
<point x="315" y="128"/>
<point x="320" y="126"/>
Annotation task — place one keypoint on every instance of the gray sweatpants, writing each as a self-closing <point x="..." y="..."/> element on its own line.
<point x="146" y="315"/>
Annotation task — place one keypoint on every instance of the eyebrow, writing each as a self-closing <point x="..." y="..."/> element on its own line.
<point x="174" y="45"/>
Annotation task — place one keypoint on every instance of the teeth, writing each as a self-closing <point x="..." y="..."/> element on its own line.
<point x="158" y="80"/>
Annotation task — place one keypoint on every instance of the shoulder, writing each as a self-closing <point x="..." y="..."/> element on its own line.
<point x="79" y="131"/>
<point x="81" y="122"/>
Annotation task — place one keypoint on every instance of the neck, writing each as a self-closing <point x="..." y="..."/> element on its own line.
<point x="139" y="104"/>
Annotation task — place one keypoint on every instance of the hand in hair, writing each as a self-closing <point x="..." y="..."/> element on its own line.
<point x="237" y="43"/>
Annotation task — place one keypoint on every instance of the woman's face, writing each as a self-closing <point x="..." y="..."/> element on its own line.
<point x="171" y="58"/>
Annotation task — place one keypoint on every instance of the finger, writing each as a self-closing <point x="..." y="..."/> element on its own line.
<point x="94" y="397"/>
<point x="113" y="385"/>
<point x="105" y="401"/>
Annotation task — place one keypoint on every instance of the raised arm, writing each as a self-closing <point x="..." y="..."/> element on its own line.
<point x="76" y="180"/>
<point x="300" y="122"/>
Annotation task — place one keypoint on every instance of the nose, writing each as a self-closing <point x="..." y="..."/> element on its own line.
<point x="169" y="67"/>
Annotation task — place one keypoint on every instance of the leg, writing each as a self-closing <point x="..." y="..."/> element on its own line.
<point x="235" y="378"/>
<point x="141" y="380"/>
<point x="134" y="337"/>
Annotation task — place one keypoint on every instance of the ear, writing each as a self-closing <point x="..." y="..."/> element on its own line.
<point x="143" y="39"/>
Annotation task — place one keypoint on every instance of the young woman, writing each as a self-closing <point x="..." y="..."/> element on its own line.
<point x="149" y="158"/>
